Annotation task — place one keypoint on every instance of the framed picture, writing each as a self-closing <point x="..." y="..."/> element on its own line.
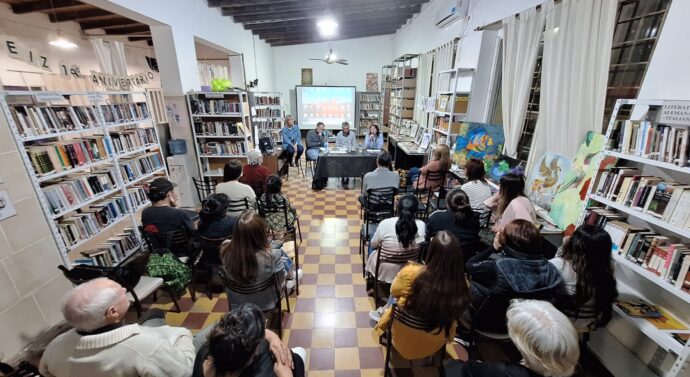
<point x="372" y="82"/>
<point x="307" y="76"/>
<point x="418" y="136"/>
<point x="413" y="130"/>
<point x="426" y="140"/>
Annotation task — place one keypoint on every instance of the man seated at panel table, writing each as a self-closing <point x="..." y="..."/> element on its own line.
<point x="316" y="138"/>
<point x="345" y="140"/>
<point x="382" y="177"/>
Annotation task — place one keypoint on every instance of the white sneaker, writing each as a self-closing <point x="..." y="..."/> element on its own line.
<point x="299" y="351"/>
<point x="375" y="315"/>
<point x="290" y="284"/>
<point x="299" y="274"/>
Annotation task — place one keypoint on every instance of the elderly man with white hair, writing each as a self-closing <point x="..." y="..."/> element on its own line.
<point x="254" y="174"/>
<point x="545" y="338"/>
<point x="100" y="344"/>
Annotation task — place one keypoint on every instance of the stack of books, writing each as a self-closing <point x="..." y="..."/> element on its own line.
<point x="267" y="100"/>
<point x="36" y="120"/>
<point x="268" y="112"/>
<point x="111" y="252"/>
<point x="132" y="139"/>
<point x="369" y="98"/>
<point x="213" y="148"/>
<point x="74" y="189"/>
<point x="214" y="107"/>
<point x="125" y="112"/>
<point x="266" y="125"/>
<point x="138" y="166"/>
<point x="650" y="140"/>
<point x="137" y="196"/>
<point x="64" y="155"/>
<point x="91" y="220"/>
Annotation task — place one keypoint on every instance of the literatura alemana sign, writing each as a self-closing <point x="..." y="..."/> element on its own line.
<point x="675" y="112"/>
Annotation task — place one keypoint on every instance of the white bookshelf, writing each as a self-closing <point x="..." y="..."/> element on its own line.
<point x="230" y="112"/>
<point x="403" y="90"/>
<point x="267" y="114"/>
<point x="452" y="84"/>
<point x="368" y="111"/>
<point x="635" y="280"/>
<point x="110" y="158"/>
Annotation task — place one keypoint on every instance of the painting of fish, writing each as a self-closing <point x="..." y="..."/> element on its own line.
<point x="478" y="140"/>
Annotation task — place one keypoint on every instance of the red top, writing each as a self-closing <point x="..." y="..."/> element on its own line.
<point x="252" y="174"/>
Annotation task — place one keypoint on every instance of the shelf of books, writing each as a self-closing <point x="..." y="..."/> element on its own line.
<point x="220" y="128"/>
<point x="403" y="89"/>
<point x="643" y="202"/>
<point x="88" y="156"/>
<point x="267" y="114"/>
<point x="369" y="111"/>
<point x="386" y="84"/>
<point x="452" y="101"/>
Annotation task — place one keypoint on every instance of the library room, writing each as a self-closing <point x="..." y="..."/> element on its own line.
<point x="344" y="188"/>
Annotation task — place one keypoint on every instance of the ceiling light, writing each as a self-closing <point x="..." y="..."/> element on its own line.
<point x="333" y="57"/>
<point x="327" y="27"/>
<point x="61" y="42"/>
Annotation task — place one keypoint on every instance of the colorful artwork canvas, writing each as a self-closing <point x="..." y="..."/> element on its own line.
<point x="547" y="178"/>
<point x="570" y="201"/>
<point x="478" y="140"/>
<point x="504" y="165"/>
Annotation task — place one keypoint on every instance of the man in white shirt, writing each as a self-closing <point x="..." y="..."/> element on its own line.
<point x="234" y="189"/>
<point x="345" y="139"/>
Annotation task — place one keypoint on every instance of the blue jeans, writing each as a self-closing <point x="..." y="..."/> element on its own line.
<point x="412" y="176"/>
<point x="313" y="153"/>
<point x="290" y="152"/>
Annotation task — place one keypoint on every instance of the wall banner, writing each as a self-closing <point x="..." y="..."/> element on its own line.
<point x="121" y="82"/>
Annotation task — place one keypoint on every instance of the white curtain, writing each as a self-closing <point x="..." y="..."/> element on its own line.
<point x="521" y="44"/>
<point x="208" y="72"/>
<point x="577" y="51"/>
<point x="110" y="55"/>
<point x="103" y="55"/>
<point x="444" y="57"/>
<point x="423" y="88"/>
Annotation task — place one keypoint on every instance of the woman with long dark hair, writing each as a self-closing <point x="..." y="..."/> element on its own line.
<point x="588" y="287"/>
<point x="275" y="220"/>
<point x="460" y="220"/>
<point x="374" y="139"/>
<point x="510" y="203"/>
<point x="437" y="292"/>
<point x="476" y="187"/>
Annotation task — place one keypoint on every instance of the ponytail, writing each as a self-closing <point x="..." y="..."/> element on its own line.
<point x="459" y="205"/>
<point x="406" y="226"/>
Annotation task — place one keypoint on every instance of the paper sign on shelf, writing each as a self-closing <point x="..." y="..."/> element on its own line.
<point x="49" y="97"/>
<point x="675" y="112"/>
<point x="6" y="207"/>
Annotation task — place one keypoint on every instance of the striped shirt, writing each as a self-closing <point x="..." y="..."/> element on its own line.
<point x="477" y="191"/>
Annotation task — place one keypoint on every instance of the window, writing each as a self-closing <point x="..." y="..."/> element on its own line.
<point x="525" y="142"/>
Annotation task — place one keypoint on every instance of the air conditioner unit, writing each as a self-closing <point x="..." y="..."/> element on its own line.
<point x="451" y="11"/>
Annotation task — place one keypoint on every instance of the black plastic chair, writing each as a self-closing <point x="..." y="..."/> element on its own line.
<point x="204" y="187"/>
<point x="210" y="260"/>
<point x="25" y="369"/>
<point x="425" y="192"/>
<point x="249" y="289"/>
<point x="400" y="315"/>
<point x="311" y="164"/>
<point x="379" y="205"/>
<point x="238" y="205"/>
<point x="413" y="253"/>
<point x="484" y="219"/>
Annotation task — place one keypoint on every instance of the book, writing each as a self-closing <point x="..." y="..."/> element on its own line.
<point x="637" y="307"/>
<point x="680" y="338"/>
<point x="666" y="321"/>
<point x="682" y="274"/>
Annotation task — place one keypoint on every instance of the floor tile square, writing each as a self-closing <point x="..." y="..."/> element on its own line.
<point x="325" y="291"/>
<point x="347" y="358"/>
<point x="300" y="338"/>
<point x="363" y="321"/>
<point x="344" y="291"/>
<point x="321" y="373"/>
<point x="212" y="319"/>
<point x="346" y="337"/>
<point x="307" y="291"/>
<point x="325" y="279"/>
<point x="342" y="259"/>
<point x="370" y="357"/>
<point x="343" y="278"/>
<point x="327" y="259"/>
<point x="301" y="320"/>
<point x="345" y="304"/>
<point x="364" y="304"/>
<point x="304" y="304"/>
<point x="367" y="337"/>
<point x="194" y="321"/>
<point x="324" y="305"/>
<point x="343" y="268"/>
<point x="327" y="268"/>
<point x="322" y="338"/>
<point x="221" y="306"/>
<point x="321" y="359"/>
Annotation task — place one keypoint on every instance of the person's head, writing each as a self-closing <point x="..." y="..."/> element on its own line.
<point x="254" y="157"/>
<point x="511" y="186"/>
<point x="474" y="170"/>
<point x="459" y="205"/>
<point x="95" y="304"/>
<point x="406" y="226"/>
<point x="274" y="184"/>
<point x="521" y="236"/>
<point x="384" y="160"/>
<point x="440" y="292"/>
<point x="162" y="192"/>
<point x="589" y="252"/>
<point x="232" y="171"/>
<point x="214" y="207"/>
<point x="248" y="238"/>
<point x="289" y="120"/>
<point x="234" y="340"/>
<point x="544" y="336"/>
<point x="442" y="155"/>
<point x="374" y="130"/>
<point x="346" y="128"/>
<point x="320" y="127"/>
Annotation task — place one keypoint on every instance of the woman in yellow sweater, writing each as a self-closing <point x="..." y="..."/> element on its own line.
<point x="437" y="291"/>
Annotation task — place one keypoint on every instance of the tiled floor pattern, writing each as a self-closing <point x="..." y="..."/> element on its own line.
<point x="329" y="318"/>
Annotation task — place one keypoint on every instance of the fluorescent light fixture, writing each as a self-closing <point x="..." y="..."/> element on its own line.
<point x="327" y="26"/>
<point x="61" y="42"/>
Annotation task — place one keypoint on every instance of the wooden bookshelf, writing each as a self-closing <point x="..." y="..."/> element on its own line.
<point x="368" y="111"/>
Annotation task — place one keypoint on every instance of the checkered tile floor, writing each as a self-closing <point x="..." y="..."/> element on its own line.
<point x="330" y="316"/>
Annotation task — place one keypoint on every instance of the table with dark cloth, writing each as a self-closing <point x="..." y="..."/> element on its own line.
<point x="349" y="164"/>
<point x="402" y="157"/>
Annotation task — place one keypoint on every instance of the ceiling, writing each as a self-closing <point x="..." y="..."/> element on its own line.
<point x="289" y="22"/>
<point x="88" y="16"/>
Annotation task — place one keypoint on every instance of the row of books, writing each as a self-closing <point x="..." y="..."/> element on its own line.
<point x="267" y="100"/>
<point x="91" y="220"/>
<point x="364" y="124"/>
<point x="404" y="72"/>
<point x="271" y="124"/>
<point x="137" y="196"/>
<point x="125" y="112"/>
<point x="213" y="148"/>
<point x="211" y="107"/>
<point x="369" y="106"/>
<point x="369" y="98"/>
<point x="132" y="139"/>
<point x="64" y="155"/>
<point x="135" y="167"/>
<point x="43" y="120"/>
<point x="658" y="254"/>
<point x="666" y="200"/>
<point x="268" y="112"/>
<point x="650" y="140"/>
<point x="219" y="128"/>
<point x="111" y="252"/>
<point x="75" y="189"/>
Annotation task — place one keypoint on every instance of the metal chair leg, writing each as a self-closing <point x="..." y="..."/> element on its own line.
<point x="299" y="229"/>
<point x="296" y="264"/>
<point x="174" y="300"/>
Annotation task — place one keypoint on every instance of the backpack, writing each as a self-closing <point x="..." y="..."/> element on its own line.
<point x="176" y="275"/>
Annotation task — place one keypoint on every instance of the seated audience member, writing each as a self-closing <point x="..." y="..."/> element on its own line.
<point x="273" y="195"/>
<point x="251" y="258"/>
<point x="440" y="163"/>
<point x="316" y="138"/>
<point x="545" y="338"/>
<point x="459" y="220"/>
<point x="374" y="139"/>
<point x="436" y="291"/>
<point x="238" y="345"/>
<point x="254" y="174"/>
<point x="513" y="268"/>
<point x="589" y="287"/>
<point x="400" y="233"/>
<point x="510" y="202"/>
<point x="345" y="140"/>
<point x="382" y="177"/>
<point x="476" y="187"/>
<point x="215" y="223"/>
<point x="233" y="188"/>
<point x="101" y="344"/>
<point x="292" y="140"/>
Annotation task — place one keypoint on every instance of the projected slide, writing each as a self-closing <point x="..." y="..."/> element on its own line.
<point x="331" y="105"/>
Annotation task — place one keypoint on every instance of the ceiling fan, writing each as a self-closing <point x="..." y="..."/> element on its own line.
<point x="332" y="58"/>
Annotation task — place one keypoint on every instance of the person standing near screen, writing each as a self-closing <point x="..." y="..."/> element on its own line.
<point x="316" y="138"/>
<point x="345" y="139"/>
<point x="374" y="139"/>
<point x="292" y="140"/>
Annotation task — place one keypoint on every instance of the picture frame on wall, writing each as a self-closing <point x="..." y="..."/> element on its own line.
<point x="307" y="76"/>
<point x="426" y="140"/>
<point x="419" y="135"/>
<point x="372" y="82"/>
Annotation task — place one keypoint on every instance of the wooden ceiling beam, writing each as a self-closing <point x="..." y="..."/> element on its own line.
<point x="135" y="39"/>
<point x="44" y="5"/>
<point x="338" y="12"/>
<point x="313" y="5"/>
<point x="109" y="23"/>
<point x="241" y="3"/>
<point x="399" y="15"/>
<point x="272" y="33"/>
<point x="133" y="29"/>
<point x="295" y="41"/>
<point x="349" y="34"/>
<point x="80" y="15"/>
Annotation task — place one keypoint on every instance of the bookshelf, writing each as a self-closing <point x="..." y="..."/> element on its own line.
<point x="642" y="203"/>
<point x="267" y="114"/>
<point x="403" y="89"/>
<point x="451" y="103"/>
<point x="88" y="156"/>
<point x="220" y="127"/>
<point x="386" y="82"/>
<point x="369" y="106"/>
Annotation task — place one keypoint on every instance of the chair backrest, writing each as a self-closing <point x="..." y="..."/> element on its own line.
<point x="258" y="187"/>
<point x="491" y="314"/>
<point x="432" y="177"/>
<point x="203" y="187"/>
<point x="211" y="248"/>
<point x="274" y="206"/>
<point x="380" y="204"/>
<point x="175" y="240"/>
<point x="484" y="218"/>
<point x="249" y="289"/>
<point x="401" y="315"/>
<point x="413" y="253"/>
<point x="238" y="205"/>
<point x="80" y="278"/>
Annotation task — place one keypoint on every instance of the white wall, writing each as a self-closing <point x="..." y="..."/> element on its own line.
<point x="365" y="55"/>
